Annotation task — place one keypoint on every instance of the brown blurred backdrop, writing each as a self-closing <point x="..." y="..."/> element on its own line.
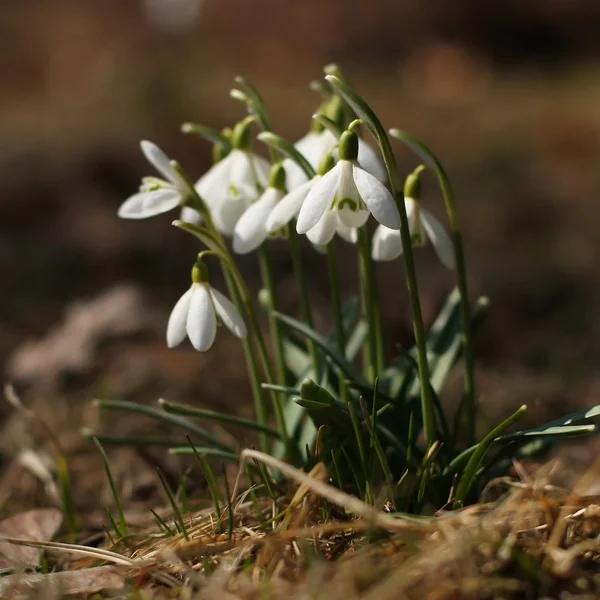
<point x="507" y="94"/>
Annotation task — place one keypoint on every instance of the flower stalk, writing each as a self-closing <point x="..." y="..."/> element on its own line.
<point x="364" y="112"/>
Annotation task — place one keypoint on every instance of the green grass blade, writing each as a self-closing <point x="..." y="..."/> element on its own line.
<point x="468" y="478"/>
<point x="161" y="415"/>
<point x="121" y="529"/>
<point x="202" y="413"/>
<point x="178" y="518"/>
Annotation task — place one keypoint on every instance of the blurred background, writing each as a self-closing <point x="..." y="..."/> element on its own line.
<point x="506" y="93"/>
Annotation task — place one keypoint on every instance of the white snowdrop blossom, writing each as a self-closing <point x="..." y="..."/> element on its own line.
<point x="196" y="315"/>
<point x="231" y="185"/>
<point x="156" y="196"/>
<point x="387" y="243"/>
<point x="315" y="146"/>
<point x="251" y="229"/>
<point x="349" y="194"/>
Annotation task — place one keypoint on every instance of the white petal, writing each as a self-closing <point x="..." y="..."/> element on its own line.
<point x="262" y="169"/>
<point x="378" y="199"/>
<point x="190" y="215"/>
<point x="322" y="233"/>
<point x="289" y="206"/>
<point x="177" y="320"/>
<point x="319" y="199"/>
<point x="439" y="238"/>
<point x="370" y="161"/>
<point x="251" y="231"/>
<point x="314" y="146"/>
<point x="229" y="314"/>
<point x="201" y="320"/>
<point x="353" y="218"/>
<point x="294" y="175"/>
<point x="227" y="212"/>
<point x="160" y="161"/>
<point x="161" y="201"/>
<point x="133" y="207"/>
<point x="348" y="234"/>
<point x="387" y="243"/>
<point x="248" y="169"/>
<point x="214" y="184"/>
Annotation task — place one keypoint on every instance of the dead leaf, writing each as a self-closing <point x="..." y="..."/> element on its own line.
<point x="40" y="525"/>
<point x="71" y="345"/>
<point x="84" y="581"/>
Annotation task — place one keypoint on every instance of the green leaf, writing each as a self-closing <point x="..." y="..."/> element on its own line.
<point x="202" y="413"/>
<point x="161" y="415"/>
<point x="468" y="478"/>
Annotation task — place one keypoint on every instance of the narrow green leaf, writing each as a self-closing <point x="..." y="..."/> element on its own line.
<point x="468" y="478"/>
<point x="161" y="415"/>
<point x="202" y="413"/>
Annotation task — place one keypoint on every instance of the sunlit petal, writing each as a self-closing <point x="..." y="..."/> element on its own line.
<point x="387" y="243"/>
<point x="289" y="206"/>
<point x="190" y="215"/>
<point x="201" y="320"/>
<point x="250" y="231"/>
<point x="322" y="233"/>
<point x="370" y="161"/>
<point x="378" y="199"/>
<point x="176" y="328"/>
<point x="294" y="175"/>
<point x="319" y="199"/>
<point x="133" y="207"/>
<point x="160" y="161"/>
<point x="439" y="238"/>
<point x="161" y="201"/>
<point x="229" y="314"/>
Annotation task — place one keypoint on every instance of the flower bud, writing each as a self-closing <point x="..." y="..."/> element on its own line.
<point x="349" y="146"/>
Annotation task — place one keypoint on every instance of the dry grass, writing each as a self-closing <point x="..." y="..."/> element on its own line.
<point x="534" y="540"/>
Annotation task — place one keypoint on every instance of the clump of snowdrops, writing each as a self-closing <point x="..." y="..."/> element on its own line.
<point x="334" y="397"/>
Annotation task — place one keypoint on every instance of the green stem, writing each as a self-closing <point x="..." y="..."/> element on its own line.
<point x="336" y="297"/>
<point x="338" y="313"/>
<point x="264" y="354"/>
<point x="241" y="297"/>
<point x="364" y="111"/>
<point x="367" y="303"/>
<point x="300" y="276"/>
<point x="469" y="404"/>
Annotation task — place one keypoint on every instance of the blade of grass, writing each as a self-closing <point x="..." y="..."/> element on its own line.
<point x="178" y="518"/>
<point x="161" y="415"/>
<point x="468" y="478"/>
<point x="202" y="413"/>
<point x="121" y="530"/>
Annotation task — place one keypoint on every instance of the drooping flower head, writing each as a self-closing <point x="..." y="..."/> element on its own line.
<point x="346" y="194"/>
<point x="233" y="183"/>
<point x="199" y="311"/>
<point x="156" y="195"/>
<point x="251" y="229"/>
<point x="423" y="226"/>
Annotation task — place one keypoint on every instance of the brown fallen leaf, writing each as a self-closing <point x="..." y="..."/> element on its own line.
<point x="70" y="583"/>
<point x="40" y="524"/>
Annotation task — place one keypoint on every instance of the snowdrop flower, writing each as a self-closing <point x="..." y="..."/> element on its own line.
<point x="387" y="243"/>
<point x="346" y="194"/>
<point x="198" y="312"/>
<point x="289" y="207"/>
<point x="156" y="196"/>
<point x="251" y="230"/>
<point x="233" y="183"/>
